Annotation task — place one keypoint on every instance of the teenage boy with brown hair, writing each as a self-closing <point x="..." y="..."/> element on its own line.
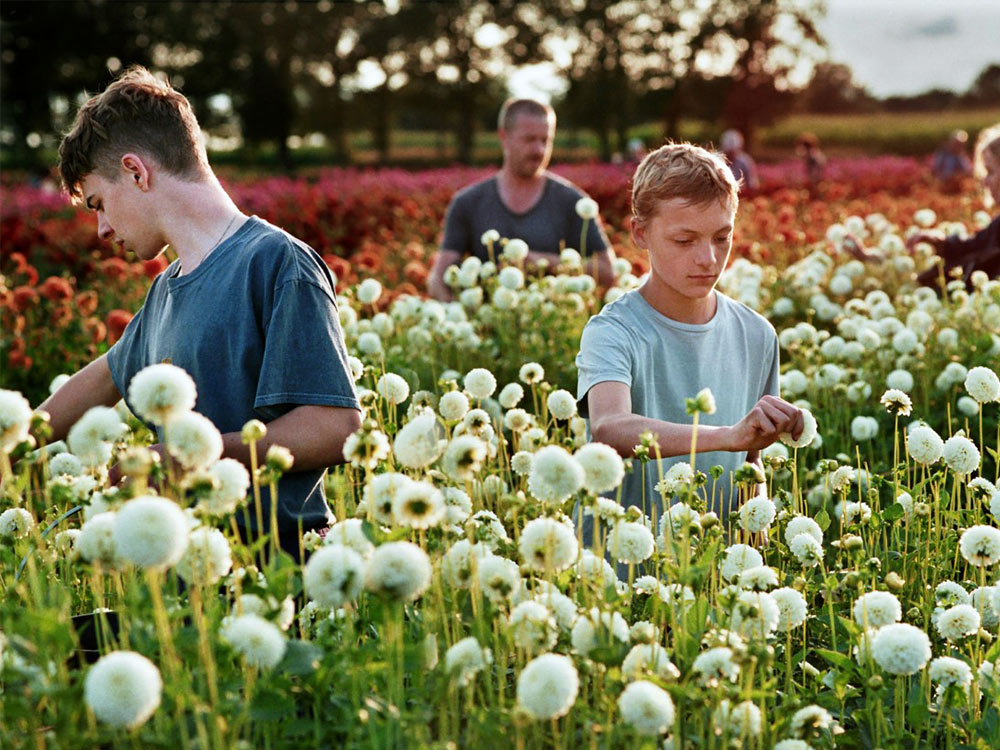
<point x="246" y="309"/>
<point x="652" y="348"/>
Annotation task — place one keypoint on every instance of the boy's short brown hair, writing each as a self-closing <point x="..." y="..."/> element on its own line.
<point x="137" y="112"/>
<point x="681" y="170"/>
<point x="514" y="107"/>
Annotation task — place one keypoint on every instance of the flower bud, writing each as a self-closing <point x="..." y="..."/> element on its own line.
<point x="253" y="431"/>
<point x="894" y="581"/>
<point x="875" y="682"/>
<point x="279" y="458"/>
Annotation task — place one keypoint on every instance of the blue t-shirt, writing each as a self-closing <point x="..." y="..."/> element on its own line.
<point x="256" y="326"/>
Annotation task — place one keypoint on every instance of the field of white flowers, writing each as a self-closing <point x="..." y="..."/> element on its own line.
<point x="455" y="603"/>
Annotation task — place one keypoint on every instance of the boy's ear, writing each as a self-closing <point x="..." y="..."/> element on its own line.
<point x="638" y="232"/>
<point x="136" y="170"/>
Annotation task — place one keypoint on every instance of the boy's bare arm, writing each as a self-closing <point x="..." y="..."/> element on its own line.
<point x="612" y="422"/>
<point x="315" y="436"/>
<point x="435" y="280"/>
<point x="91" y="386"/>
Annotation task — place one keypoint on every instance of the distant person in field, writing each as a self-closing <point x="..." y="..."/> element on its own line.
<point x="521" y="201"/>
<point x="246" y="309"/>
<point x="981" y="251"/>
<point x="813" y="159"/>
<point x="743" y="166"/>
<point x="654" y="347"/>
<point x="950" y="162"/>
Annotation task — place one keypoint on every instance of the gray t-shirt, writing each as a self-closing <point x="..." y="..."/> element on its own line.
<point x="256" y="327"/>
<point x="664" y="361"/>
<point x="553" y="219"/>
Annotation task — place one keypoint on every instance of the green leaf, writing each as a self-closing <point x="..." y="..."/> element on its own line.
<point x="893" y="512"/>
<point x="823" y="520"/>
<point x="837" y="659"/>
<point x="301" y="658"/>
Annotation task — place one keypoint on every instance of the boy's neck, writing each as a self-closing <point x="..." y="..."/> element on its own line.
<point x="678" y="307"/>
<point x="200" y="217"/>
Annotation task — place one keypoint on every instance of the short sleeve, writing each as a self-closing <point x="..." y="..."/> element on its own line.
<point x="597" y="240"/>
<point x="604" y="356"/>
<point x="457" y="227"/>
<point x="773" y="380"/>
<point x="305" y="360"/>
<point x="123" y="357"/>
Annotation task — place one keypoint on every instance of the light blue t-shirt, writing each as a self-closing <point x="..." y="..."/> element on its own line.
<point x="256" y="326"/>
<point x="663" y="361"/>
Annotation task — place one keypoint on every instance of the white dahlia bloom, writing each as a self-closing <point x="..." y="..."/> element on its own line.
<point x="757" y="514"/>
<point x="350" y="533"/>
<point x="864" y="428"/>
<point x="803" y="525"/>
<point x="123" y="689"/>
<point x="15" y="419"/>
<point x="958" y="622"/>
<point x="603" y="468"/>
<point x="716" y="665"/>
<point x="392" y="387"/>
<point x="651" y="658"/>
<point x="809" y="720"/>
<point x="399" y="570"/>
<point x="418" y="505"/>
<point x="514" y="250"/>
<point x="461" y="561"/>
<point x="334" y="576"/>
<point x="647" y="708"/>
<point x="96" y="542"/>
<point x="877" y="608"/>
<point x="924" y="445"/>
<point x="463" y="457"/>
<point x="595" y="628"/>
<point x="755" y="615"/>
<point x="193" y="440"/>
<point x="532" y="626"/>
<point x="594" y="569"/>
<point x="417" y="443"/>
<point x="380" y="494"/>
<point x="901" y="649"/>
<point x="480" y="383"/>
<point x="555" y="476"/>
<point x="809" y="431"/>
<point x="561" y="404"/>
<point x="369" y="291"/>
<point x="983" y="384"/>
<point x="457" y="505"/>
<point x="207" y="557"/>
<point x="547" y="544"/>
<point x="738" y="558"/>
<point x="232" y="484"/>
<point x="792" y="609"/>
<point x="547" y="687"/>
<point x="90" y="439"/>
<point x="511" y="395"/>
<point x="65" y="464"/>
<point x="900" y="380"/>
<point x="741" y="720"/>
<point x="453" y="405"/>
<point x="807" y="550"/>
<point x="982" y="600"/>
<point x="630" y="542"/>
<point x="16" y="523"/>
<point x="677" y="478"/>
<point x="465" y="659"/>
<point x="587" y="208"/>
<point x="947" y="670"/>
<point x="961" y="454"/>
<point x="162" y="391"/>
<point x="760" y="578"/>
<point x="260" y="642"/>
<point x="151" y="532"/>
<point x="499" y="578"/>
<point x="980" y="545"/>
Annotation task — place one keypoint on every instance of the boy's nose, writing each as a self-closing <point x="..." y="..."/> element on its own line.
<point x="104" y="230"/>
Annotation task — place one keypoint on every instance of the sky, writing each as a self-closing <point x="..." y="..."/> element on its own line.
<point x="909" y="46"/>
<point x="893" y="47"/>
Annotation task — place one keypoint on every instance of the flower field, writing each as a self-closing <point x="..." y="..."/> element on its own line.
<point x="454" y="602"/>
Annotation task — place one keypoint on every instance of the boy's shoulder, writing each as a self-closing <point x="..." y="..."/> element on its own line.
<point x="746" y="316"/>
<point x="623" y="316"/>
<point x="275" y="252"/>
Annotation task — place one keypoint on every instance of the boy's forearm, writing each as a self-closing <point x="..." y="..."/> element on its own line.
<point x="624" y="433"/>
<point x="315" y="436"/>
<point x="91" y="386"/>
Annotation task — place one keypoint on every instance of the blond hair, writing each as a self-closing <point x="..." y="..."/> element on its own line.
<point x="685" y="171"/>
<point x="137" y="112"/>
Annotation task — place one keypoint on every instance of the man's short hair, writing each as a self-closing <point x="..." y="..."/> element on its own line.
<point x="514" y="107"/>
<point x="685" y="171"/>
<point x="137" y="112"/>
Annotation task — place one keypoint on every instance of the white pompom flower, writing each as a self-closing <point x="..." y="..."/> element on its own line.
<point x="961" y="454"/>
<point x="260" y="642"/>
<point x="877" y="608"/>
<point x="399" y="571"/>
<point x="151" y="532"/>
<point x="555" y="475"/>
<point x="161" y="391"/>
<point x="334" y="576"/>
<point x="924" y="445"/>
<point x="547" y="544"/>
<point x="393" y="388"/>
<point x="958" y="622"/>
<point x="465" y="659"/>
<point x="193" y="440"/>
<point x="603" y="468"/>
<point x="91" y="438"/>
<point x="630" y="542"/>
<point x="232" y="482"/>
<point x="757" y="514"/>
<point x="980" y="545"/>
<point x="901" y="649"/>
<point x="207" y="557"/>
<point x="561" y="404"/>
<point x="983" y="384"/>
<point x="15" y="419"/>
<point x="547" y="687"/>
<point x="587" y="208"/>
<point x="123" y="689"/>
<point x="16" y="523"/>
<point x="647" y="708"/>
<point x="809" y="431"/>
<point x="480" y="383"/>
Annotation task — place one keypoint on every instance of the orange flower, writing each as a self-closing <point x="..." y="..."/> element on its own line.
<point x="95" y="329"/>
<point x="117" y="321"/>
<point x="153" y="268"/>
<point x="24" y="297"/>
<point x="61" y="316"/>
<point x="416" y="273"/>
<point x="56" y="288"/>
<point x="86" y="302"/>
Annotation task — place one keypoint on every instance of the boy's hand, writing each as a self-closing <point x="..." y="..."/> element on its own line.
<point x="932" y="237"/>
<point x="770" y="417"/>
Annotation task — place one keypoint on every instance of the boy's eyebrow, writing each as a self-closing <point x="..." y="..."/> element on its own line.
<point x="691" y="230"/>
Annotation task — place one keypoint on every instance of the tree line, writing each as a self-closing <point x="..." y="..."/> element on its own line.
<point x="263" y="71"/>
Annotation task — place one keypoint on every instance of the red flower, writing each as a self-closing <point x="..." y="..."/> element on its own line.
<point x="56" y="288"/>
<point x="153" y="268"/>
<point x="24" y="297"/>
<point x="86" y="302"/>
<point x="117" y="321"/>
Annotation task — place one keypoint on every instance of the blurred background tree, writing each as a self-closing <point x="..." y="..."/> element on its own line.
<point x="345" y="81"/>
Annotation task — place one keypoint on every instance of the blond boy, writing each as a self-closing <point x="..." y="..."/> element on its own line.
<point x="657" y="345"/>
